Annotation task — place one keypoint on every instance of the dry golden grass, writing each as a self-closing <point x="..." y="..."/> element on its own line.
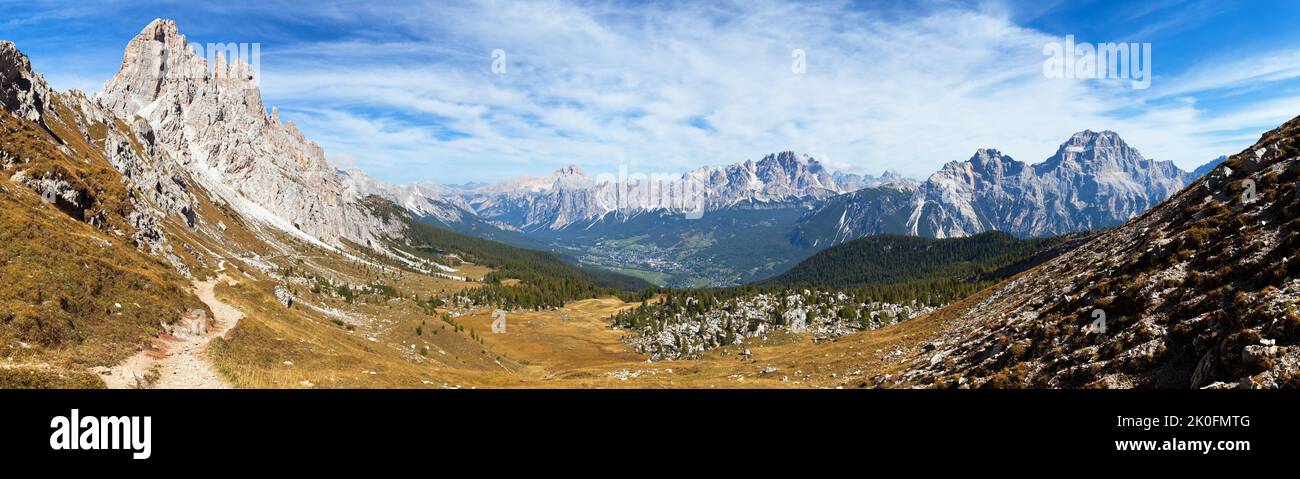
<point x="473" y="271"/>
<point x="44" y="377"/>
<point x="73" y="296"/>
<point x="395" y="340"/>
<point x="277" y="347"/>
<point x="573" y="347"/>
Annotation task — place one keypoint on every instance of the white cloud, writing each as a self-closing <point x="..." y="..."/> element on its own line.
<point x="598" y="84"/>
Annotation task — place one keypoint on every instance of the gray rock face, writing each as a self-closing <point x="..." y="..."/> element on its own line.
<point x="148" y="168"/>
<point x="22" y="92"/>
<point x="212" y="120"/>
<point x="776" y="177"/>
<point x="881" y="209"/>
<point x="548" y="202"/>
<point x="423" y="199"/>
<point x="283" y="295"/>
<point x="1094" y="180"/>
<point x="161" y="189"/>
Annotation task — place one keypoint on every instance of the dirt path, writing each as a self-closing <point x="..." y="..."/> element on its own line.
<point x="181" y="361"/>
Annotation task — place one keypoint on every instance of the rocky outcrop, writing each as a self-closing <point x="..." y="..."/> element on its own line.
<point x="688" y="327"/>
<point x="212" y="119"/>
<point x="22" y="92"/>
<point x="79" y="125"/>
<point x="133" y="150"/>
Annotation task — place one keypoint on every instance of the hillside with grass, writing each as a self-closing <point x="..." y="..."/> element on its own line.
<point x="76" y="291"/>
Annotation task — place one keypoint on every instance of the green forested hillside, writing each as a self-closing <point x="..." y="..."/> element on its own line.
<point x="545" y="280"/>
<point x="876" y="210"/>
<point x="895" y="259"/>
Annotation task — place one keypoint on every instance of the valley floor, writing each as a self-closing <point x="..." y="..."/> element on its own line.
<point x="392" y="346"/>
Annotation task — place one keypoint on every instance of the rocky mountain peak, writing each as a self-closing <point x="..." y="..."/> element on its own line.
<point x="986" y="157"/>
<point x="1091" y="148"/>
<point x="1093" y="140"/>
<point x="892" y="175"/>
<point x="214" y="123"/>
<point x="162" y="29"/>
<point x="158" y="52"/>
<point x="787" y="160"/>
<point x="22" y="92"/>
<point x="1094" y="180"/>
<point x="571" y="170"/>
<point x="160" y="59"/>
<point x="986" y="162"/>
<point x="793" y="170"/>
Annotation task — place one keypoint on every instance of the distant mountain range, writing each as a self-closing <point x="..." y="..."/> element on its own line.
<point x="570" y="198"/>
<point x="797" y="207"/>
<point x="1095" y="180"/>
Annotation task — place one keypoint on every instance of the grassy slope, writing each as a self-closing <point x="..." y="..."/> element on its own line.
<point x="61" y="280"/>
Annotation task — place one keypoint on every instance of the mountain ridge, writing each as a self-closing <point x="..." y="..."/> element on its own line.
<point x="1094" y="180"/>
<point x="1197" y="292"/>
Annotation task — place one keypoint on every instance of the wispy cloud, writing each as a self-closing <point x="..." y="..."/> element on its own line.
<point x="600" y="84"/>
<point x="407" y="91"/>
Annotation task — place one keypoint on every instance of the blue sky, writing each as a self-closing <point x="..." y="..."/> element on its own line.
<point x="406" y="91"/>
